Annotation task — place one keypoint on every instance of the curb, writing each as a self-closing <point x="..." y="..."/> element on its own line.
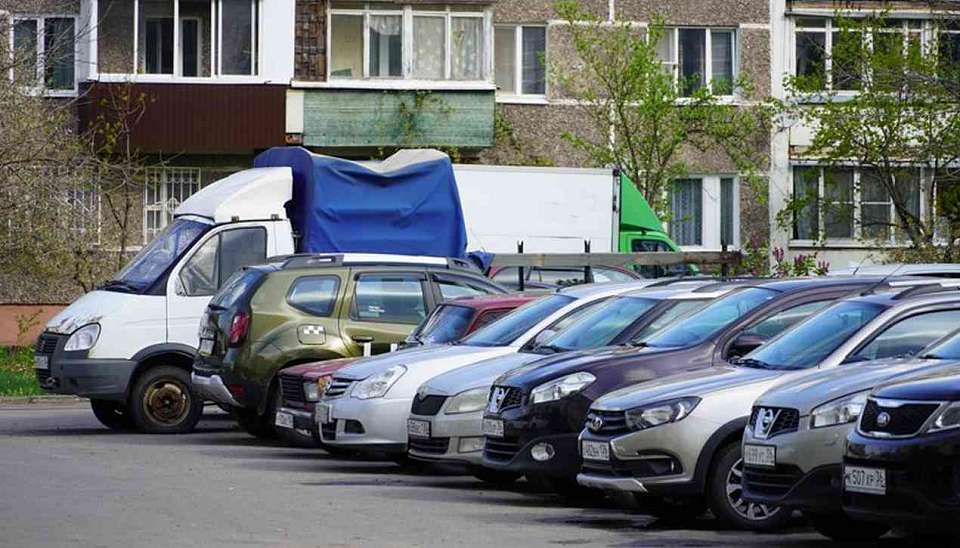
<point x="40" y="400"/>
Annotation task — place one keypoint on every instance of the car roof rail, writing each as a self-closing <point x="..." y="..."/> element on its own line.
<point x="916" y="289"/>
<point x="306" y="260"/>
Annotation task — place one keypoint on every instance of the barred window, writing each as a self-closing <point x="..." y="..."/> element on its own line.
<point x="165" y="190"/>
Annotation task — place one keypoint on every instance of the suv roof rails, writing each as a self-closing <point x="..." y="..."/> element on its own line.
<point x="306" y="260"/>
<point x="917" y="289"/>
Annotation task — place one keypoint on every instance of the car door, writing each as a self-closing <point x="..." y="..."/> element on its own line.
<point x="384" y="308"/>
<point x="203" y="271"/>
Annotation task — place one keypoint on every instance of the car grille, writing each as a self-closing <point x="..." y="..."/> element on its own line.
<point x="500" y="449"/>
<point x="338" y="387"/>
<point x="613" y="422"/>
<point x="774" y="482"/>
<point x="788" y="420"/>
<point x="512" y="397"/>
<point x="47" y="343"/>
<point x="291" y="387"/>
<point x="427" y="406"/>
<point x="905" y="420"/>
<point x="432" y="446"/>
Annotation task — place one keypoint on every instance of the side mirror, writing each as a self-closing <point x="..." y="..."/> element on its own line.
<point x="744" y="344"/>
<point x="543" y="337"/>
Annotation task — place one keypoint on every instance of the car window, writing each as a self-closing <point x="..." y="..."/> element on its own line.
<point x="389" y="298"/>
<point x="651" y="271"/>
<point x="601" y="325"/>
<point x="314" y="295"/>
<point x="910" y="335"/>
<point x="241" y="247"/>
<point x="452" y="287"/>
<point x="604" y="275"/>
<point x="667" y="316"/>
<point x="813" y="340"/>
<point x="948" y="349"/>
<point x="518" y="322"/>
<point x="489" y="317"/>
<point x="199" y="277"/>
<point x="701" y="324"/>
<point x="563" y="277"/>
<point x="446" y="324"/>
<point x="778" y="323"/>
<point x="236" y="287"/>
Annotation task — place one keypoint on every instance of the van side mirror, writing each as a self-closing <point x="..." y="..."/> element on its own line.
<point x="744" y="344"/>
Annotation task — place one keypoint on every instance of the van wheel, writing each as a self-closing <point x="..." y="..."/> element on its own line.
<point x="261" y="426"/>
<point x="841" y="528"/>
<point x="111" y="414"/>
<point x="725" y="496"/>
<point x="161" y="402"/>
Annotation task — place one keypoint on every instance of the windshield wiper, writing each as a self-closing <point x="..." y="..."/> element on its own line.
<point x="637" y="344"/>
<point x="549" y="348"/>
<point x="120" y="285"/>
<point x="752" y="363"/>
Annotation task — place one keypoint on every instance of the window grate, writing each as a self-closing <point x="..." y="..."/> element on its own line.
<point x="165" y="190"/>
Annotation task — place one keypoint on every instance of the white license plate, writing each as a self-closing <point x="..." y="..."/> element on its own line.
<point x="284" y="420"/>
<point x="595" y="450"/>
<point x="41" y="362"/>
<point x="872" y="481"/>
<point x="206" y="347"/>
<point x="420" y="429"/>
<point x="322" y="413"/>
<point x="760" y="455"/>
<point x="492" y="427"/>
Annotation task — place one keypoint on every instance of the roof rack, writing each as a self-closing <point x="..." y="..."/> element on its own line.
<point x="914" y="290"/>
<point x="307" y="260"/>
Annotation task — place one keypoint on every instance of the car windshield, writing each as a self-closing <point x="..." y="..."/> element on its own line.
<point x="158" y="256"/>
<point x="948" y="349"/>
<point x="506" y="330"/>
<point x="600" y="326"/>
<point x="447" y="324"/>
<point x="811" y="341"/>
<point x="700" y="325"/>
<point x="236" y="287"/>
<point x="674" y="310"/>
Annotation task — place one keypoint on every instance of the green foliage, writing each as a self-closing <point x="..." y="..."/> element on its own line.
<point x="17" y="377"/>
<point x="644" y="120"/>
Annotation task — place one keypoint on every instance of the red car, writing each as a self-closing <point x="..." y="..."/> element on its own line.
<point x="302" y="385"/>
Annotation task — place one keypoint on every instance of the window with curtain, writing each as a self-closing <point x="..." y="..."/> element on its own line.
<point x="466" y="35"/>
<point x="386" y="35"/>
<point x="524" y="74"/>
<point x="698" y="57"/>
<point x="428" y="58"/>
<point x="686" y="209"/>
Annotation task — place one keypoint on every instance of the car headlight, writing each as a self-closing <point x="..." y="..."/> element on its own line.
<point x="839" y="411"/>
<point x="311" y="391"/>
<point x="376" y="386"/>
<point x="947" y="419"/>
<point x="561" y="388"/>
<point x="83" y="338"/>
<point x="468" y="402"/>
<point x="655" y="414"/>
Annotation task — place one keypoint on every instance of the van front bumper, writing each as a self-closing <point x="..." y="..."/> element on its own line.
<point x="103" y="379"/>
<point x="213" y="388"/>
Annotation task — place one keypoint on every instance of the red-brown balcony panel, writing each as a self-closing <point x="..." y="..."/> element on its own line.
<point x="192" y="118"/>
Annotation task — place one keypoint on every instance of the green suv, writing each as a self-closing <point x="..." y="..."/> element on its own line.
<point x="315" y="307"/>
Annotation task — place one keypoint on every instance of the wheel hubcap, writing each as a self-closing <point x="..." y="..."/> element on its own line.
<point x="167" y="401"/>
<point x="747" y="510"/>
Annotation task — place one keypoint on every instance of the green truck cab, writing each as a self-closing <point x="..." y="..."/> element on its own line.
<point x="641" y="230"/>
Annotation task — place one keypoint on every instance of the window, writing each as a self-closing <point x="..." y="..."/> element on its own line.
<point x="219" y="257"/>
<point x="520" y="55"/>
<point x="489" y="317"/>
<point x="785" y="319"/>
<point x="698" y="57"/>
<point x="389" y="298"/>
<point x="45" y="53"/>
<point x="199" y="276"/>
<point x="909" y="336"/>
<point x="686" y="212"/>
<point x="849" y="203"/>
<point x="386" y="40"/>
<point x="314" y="295"/>
<point x="179" y="38"/>
<point x="452" y="288"/>
<point x="165" y="190"/>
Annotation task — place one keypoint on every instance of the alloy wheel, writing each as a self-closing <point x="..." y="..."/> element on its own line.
<point x="751" y="511"/>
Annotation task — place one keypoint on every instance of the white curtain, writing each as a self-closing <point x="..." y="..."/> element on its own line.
<point x="429" y="42"/>
<point x="388" y="25"/>
<point x="467" y="48"/>
<point x="686" y="203"/>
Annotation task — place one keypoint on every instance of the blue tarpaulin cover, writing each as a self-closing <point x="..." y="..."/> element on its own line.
<point x="408" y="204"/>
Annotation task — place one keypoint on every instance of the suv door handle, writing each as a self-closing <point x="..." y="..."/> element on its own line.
<point x="362" y="339"/>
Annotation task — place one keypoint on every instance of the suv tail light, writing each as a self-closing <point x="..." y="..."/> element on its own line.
<point x="239" y="326"/>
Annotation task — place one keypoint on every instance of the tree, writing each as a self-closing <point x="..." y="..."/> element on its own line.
<point x="645" y="118"/>
<point x="890" y="104"/>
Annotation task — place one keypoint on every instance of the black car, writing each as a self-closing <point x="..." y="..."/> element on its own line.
<point x="536" y="412"/>
<point x="902" y="463"/>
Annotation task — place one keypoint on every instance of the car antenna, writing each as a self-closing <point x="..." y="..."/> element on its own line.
<point x="872" y="288"/>
<point x="859" y="265"/>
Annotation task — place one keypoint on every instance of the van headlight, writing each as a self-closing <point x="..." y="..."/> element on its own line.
<point x="83" y="338"/>
<point x="648" y="416"/>
<point x="468" y="402"/>
<point x="561" y="388"/>
<point x="839" y="411"/>
<point x="376" y="386"/>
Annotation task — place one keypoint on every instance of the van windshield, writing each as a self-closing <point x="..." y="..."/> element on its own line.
<point x="156" y="258"/>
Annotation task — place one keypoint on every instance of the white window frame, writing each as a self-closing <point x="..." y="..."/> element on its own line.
<point x="406" y="78"/>
<point x="41" y="69"/>
<point x="518" y="96"/>
<point x="674" y="63"/>
<point x="711" y="237"/>
<point x="166" y="201"/>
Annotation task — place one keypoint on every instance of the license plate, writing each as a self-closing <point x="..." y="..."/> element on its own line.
<point x="872" y="481"/>
<point x="420" y="429"/>
<point x="41" y="362"/>
<point x="492" y="427"/>
<point x="322" y="413"/>
<point x="760" y="455"/>
<point x="284" y="420"/>
<point x="595" y="450"/>
<point x="206" y="346"/>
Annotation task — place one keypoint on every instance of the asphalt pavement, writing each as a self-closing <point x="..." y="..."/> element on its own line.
<point x="66" y="480"/>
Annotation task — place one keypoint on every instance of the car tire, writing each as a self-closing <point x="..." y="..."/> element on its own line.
<point x="162" y="402"/>
<point x="260" y="425"/>
<point x="111" y="414"/>
<point x="724" y="495"/>
<point x="842" y="528"/>
<point x="495" y="477"/>
<point x="671" y="509"/>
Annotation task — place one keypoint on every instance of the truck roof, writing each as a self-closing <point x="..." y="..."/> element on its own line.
<point x="251" y="194"/>
<point x="314" y="260"/>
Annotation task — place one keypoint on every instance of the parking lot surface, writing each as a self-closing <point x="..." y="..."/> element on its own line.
<point x="67" y="480"/>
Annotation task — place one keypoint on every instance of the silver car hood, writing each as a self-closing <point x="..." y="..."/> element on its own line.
<point x="375" y="364"/>
<point x="477" y="375"/>
<point x="692" y="383"/>
<point x="810" y="391"/>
